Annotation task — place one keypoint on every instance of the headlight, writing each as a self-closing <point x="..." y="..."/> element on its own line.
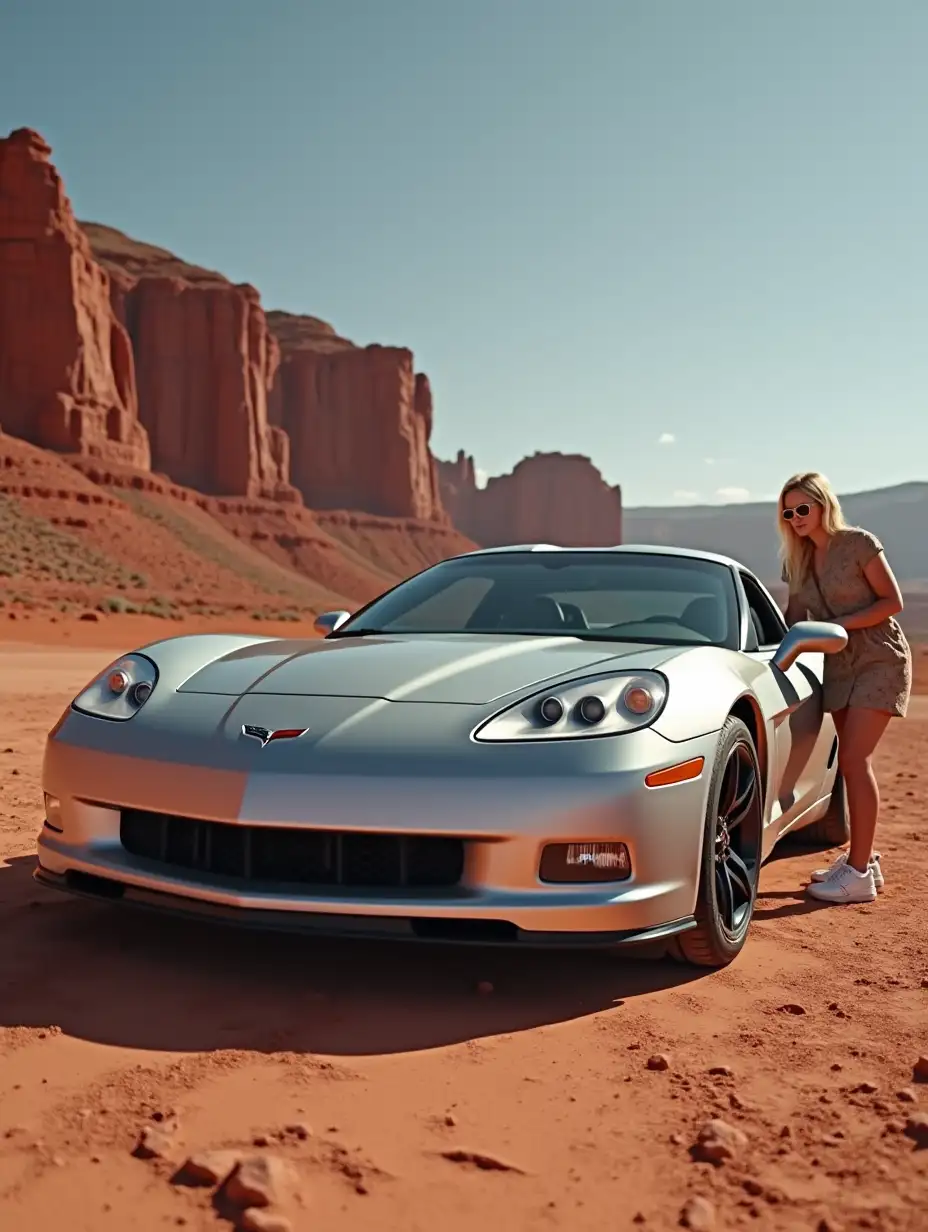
<point x="598" y="706"/>
<point x="121" y="691"/>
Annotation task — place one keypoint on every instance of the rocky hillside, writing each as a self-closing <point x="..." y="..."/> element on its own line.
<point x="248" y="461"/>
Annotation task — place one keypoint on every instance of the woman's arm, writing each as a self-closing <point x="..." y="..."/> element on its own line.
<point x="889" y="597"/>
<point x="794" y="611"/>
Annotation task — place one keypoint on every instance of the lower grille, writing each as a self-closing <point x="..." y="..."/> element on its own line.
<point x="275" y="854"/>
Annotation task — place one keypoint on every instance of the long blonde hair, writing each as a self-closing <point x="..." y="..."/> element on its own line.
<point x="796" y="553"/>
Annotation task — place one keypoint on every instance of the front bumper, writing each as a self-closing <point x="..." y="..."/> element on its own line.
<point x="505" y="812"/>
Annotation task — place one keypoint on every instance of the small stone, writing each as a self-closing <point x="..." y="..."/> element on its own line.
<point x="836" y="1066"/>
<point x="677" y="1139"/>
<point x="450" y="1119"/>
<point x="722" y="1071"/>
<point x="258" y="1180"/>
<point x="865" y="1088"/>
<point x="916" y="1128"/>
<point x="256" y="1220"/>
<point x="207" y="1168"/>
<point x="786" y="1131"/>
<point x="660" y="1061"/>
<point x="261" y="1140"/>
<point x="485" y="988"/>
<point x="717" y="1142"/>
<point x="697" y="1214"/>
<point x="920" y="1069"/>
<point x="792" y="1007"/>
<point x="906" y="1095"/>
<point x="360" y="1187"/>
<point x="480" y="1159"/>
<point x="299" y="1129"/>
<point x="154" y="1143"/>
<point x="753" y="1187"/>
<point x="89" y="616"/>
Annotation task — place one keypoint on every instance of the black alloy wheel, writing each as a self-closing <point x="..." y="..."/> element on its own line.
<point x="732" y="848"/>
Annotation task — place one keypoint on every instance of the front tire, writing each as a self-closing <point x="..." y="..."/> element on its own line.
<point x="731" y="853"/>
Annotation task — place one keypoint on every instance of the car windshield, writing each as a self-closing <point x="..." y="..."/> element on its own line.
<point x="621" y="596"/>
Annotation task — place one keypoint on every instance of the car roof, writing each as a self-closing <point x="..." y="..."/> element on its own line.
<point x="651" y="549"/>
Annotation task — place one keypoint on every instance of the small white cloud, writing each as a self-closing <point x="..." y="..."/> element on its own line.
<point x="733" y="494"/>
<point x="666" y="438"/>
<point x="480" y="478"/>
<point x="684" y="495"/>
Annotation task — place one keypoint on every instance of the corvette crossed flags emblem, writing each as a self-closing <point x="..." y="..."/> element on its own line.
<point x="264" y="735"/>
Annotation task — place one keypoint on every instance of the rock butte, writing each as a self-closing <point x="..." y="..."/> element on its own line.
<point x="114" y="349"/>
<point x="548" y="498"/>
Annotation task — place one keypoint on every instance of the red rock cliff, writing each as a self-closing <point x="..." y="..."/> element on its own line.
<point x="205" y="362"/>
<point x="547" y="498"/>
<point x="359" y="422"/>
<point x="67" y="378"/>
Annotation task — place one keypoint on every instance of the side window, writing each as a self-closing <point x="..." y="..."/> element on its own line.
<point x="767" y="621"/>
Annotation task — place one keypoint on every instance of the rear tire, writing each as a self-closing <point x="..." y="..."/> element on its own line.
<point x="731" y="853"/>
<point x="833" y="829"/>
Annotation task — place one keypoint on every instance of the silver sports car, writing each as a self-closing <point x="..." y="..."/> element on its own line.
<point x="528" y="745"/>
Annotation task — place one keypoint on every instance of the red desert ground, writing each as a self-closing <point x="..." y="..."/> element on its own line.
<point x="265" y="470"/>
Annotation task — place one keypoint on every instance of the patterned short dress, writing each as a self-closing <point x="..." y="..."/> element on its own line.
<point x="874" y="671"/>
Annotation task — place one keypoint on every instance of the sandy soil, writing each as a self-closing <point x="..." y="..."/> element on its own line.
<point x="390" y="1058"/>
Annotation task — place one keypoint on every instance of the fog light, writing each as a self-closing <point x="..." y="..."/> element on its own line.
<point x="53" y="813"/>
<point x="571" y="862"/>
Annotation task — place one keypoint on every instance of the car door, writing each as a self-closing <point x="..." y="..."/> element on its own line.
<point x="801" y="735"/>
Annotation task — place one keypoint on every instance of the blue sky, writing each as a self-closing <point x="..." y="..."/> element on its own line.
<point x="599" y="224"/>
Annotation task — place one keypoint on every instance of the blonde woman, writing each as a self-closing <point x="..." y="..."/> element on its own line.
<point x="839" y="573"/>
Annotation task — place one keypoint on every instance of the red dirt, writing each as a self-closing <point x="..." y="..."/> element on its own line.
<point x="453" y="1089"/>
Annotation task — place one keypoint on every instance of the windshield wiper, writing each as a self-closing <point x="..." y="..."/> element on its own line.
<point x="362" y="632"/>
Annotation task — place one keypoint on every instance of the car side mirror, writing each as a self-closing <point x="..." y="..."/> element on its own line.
<point x="328" y="622"/>
<point x="809" y="637"/>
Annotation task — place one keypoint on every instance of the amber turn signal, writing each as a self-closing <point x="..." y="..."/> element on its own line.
<point x="680" y="773"/>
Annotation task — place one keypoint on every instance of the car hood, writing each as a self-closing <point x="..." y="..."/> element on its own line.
<point x="464" y="669"/>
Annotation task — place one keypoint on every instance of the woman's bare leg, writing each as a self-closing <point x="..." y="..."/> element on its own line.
<point x="859" y="732"/>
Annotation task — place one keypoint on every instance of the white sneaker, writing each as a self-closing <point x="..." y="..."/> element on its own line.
<point x="822" y="874"/>
<point x="845" y="885"/>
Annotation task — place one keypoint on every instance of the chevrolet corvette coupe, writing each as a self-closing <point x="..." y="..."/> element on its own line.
<point x="521" y="745"/>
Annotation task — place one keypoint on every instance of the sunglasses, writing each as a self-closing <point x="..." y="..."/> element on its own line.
<point x="798" y="511"/>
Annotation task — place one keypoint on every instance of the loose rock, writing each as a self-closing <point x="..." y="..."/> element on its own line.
<point x="479" y="1159"/>
<point x="722" y="1071"/>
<point x="154" y="1143"/>
<point x="718" y="1142"/>
<point x="920" y="1069"/>
<point x="792" y="1008"/>
<point x="259" y="1180"/>
<point x="697" y="1214"/>
<point x="256" y="1220"/>
<point x="916" y="1128"/>
<point x="207" y="1168"/>
<point x="906" y="1095"/>
<point x="660" y="1061"/>
<point x="298" y="1130"/>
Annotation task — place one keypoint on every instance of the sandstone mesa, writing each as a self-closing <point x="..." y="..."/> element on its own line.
<point x="117" y="350"/>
